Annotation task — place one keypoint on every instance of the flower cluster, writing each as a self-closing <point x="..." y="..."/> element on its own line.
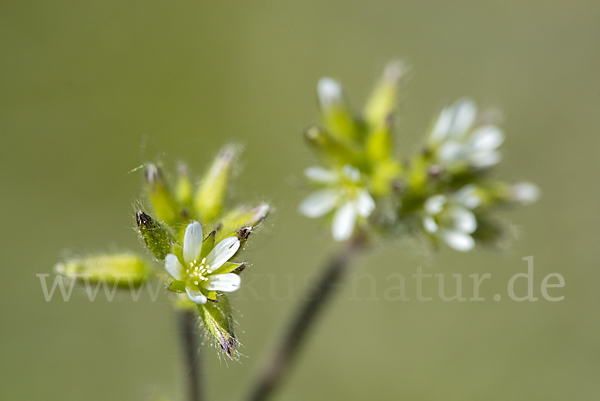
<point x="200" y="266"/>
<point x="445" y="191"/>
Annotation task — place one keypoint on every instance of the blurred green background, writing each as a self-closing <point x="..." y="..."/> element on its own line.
<point x="91" y="89"/>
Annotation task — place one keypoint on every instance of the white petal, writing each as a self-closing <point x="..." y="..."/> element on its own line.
<point x="195" y="296"/>
<point x="488" y="137"/>
<point x="430" y="224"/>
<point x="435" y="204"/>
<point x="440" y="129"/>
<point x="224" y="282"/>
<point x="192" y="242"/>
<point x="329" y="92"/>
<point x="485" y="159"/>
<point x="458" y="241"/>
<point x="452" y="152"/>
<point x="318" y="203"/>
<point x="173" y="266"/>
<point x="467" y="196"/>
<point x="464" y="111"/>
<point x="321" y="175"/>
<point x="525" y="193"/>
<point x="351" y="173"/>
<point x="344" y="220"/>
<point x="463" y="220"/>
<point x="364" y="203"/>
<point x="222" y="252"/>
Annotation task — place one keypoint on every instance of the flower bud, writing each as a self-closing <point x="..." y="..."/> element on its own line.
<point x="331" y="148"/>
<point x="522" y="193"/>
<point x="384" y="98"/>
<point x="165" y="206"/>
<point x="379" y="143"/>
<point x="219" y="323"/>
<point x="385" y="175"/>
<point x="241" y="221"/>
<point x="183" y="189"/>
<point x="122" y="270"/>
<point x="155" y="237"/>
<point x="337" y="115"/>
<point x="211" y="192"/>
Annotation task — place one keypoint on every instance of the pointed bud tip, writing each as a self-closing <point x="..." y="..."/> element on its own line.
<point x="262" y="210"/>
<point x="312" y="133"/>
<point x="229" y="153"/>
<point x="329" y="92"/>
<point x="153" y="176"/>
<point x="525" y="193"/>
<point x="182" y="169"/>
<point x="243" y="233"/>
<point x="394" y="71"/>
<point x="142" y="218"/>
<point x="152" y="172"/>
<point x="240" y="268"/>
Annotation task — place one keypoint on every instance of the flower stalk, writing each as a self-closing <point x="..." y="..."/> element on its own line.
<point x="272" y="375"/>
<point x="190" y="347"/>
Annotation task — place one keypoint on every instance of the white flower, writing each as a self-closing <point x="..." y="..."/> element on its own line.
<point x="451" y="218"/>
<point x="344" y="193"/>
<point x="456" y="141"/>
<point x="203" y="274"/>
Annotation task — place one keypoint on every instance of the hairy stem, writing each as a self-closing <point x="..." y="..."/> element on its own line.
<point x="305" y="318"/>
<point x="190" y="348"/>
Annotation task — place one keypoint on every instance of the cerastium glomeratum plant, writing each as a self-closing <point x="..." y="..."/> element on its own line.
<point x="447" y="192"/>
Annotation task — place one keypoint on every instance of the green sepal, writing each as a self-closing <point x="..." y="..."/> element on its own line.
<point x="385" y="173"/>
<point x="177" y="286"/>
<point x="184" y="188"/>
<point x="336" y="113"/>
<point x="178" y="251"/>
<point x="379" y="144"/>
<point x="229" y="267"/>
<point x="121" y="270"/>
<point x="154" y="236"/>
<point x="210" y="295"/>
<point x="383" y="101"/>
<point x="165" y="206"/>
<point x="208" y="245"/>
<point x="332" y="149"/>
<point x="340" y="122"/>
<point x="418" y="174"/>
<point x="218" y="321"/>
<point x="210" y="196"/>
<point x="241" y="221"/>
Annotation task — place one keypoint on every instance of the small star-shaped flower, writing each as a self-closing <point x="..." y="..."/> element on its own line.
<point x="345" y="193"/>
<point x="206" y="267"/>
